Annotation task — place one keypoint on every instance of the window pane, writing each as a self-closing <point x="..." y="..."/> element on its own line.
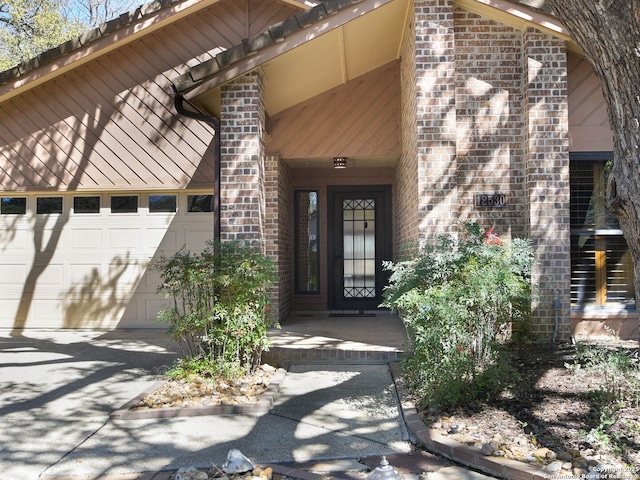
<point x="13" y="206"/>
<point x="86" y="204"/>
<point x="583" y="270"/>
<point x="588" y="195"/>
<point x="200" y="203"/>
<point x="306" y="242"/>
<point x="124" y="204"/>
<point x="601" y="267"/>
<point x="162" y="203"/>
<point x="620" y="288"/>
<point x="48" y="205"/>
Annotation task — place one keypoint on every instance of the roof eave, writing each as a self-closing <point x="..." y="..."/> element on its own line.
<point x="277" y="40"/>
<point x="331" y="14"/>
<point x="95" y="43"/>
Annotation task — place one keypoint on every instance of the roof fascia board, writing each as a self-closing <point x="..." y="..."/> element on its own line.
<point x="102" y="46"/>
<point x="245" y="65"/>
<point x="405" y="31"/>
<point x="297" y="4"/>
<point x="521" y="16"/>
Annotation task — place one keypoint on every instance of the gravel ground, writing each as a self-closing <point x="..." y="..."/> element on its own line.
<point x="551" y="415"/>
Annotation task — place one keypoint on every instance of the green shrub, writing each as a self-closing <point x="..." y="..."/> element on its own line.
<point x="619" y="370"/>
<point x="220" y="307"/>
<point x="459" y="300"/>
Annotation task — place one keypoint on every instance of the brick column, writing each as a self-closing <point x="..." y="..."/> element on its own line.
<point x="242" y="192"/>
<point x="278" y="232"/>
<point x="436" y="117"/>
<point x="547" y="178"/>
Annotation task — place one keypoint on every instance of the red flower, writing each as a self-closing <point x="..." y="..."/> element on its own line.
<point x="491" y="238"/>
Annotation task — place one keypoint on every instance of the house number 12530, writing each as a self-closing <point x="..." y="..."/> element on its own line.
<point x="491" y="200"/>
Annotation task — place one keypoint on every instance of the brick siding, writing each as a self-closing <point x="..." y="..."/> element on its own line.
<point x="489" y="108"/>
<point x="278" y="221"/>
<point x="436" y="117"/>
<point x="242" y="126"/>
<point x="547" y="176"/>
<point x="406" y="188"/>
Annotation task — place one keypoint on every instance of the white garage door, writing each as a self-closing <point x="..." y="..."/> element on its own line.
<point x="83" y="261"/>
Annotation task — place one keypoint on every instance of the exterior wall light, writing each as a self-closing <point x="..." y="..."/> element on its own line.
<point x="339" y="162"/>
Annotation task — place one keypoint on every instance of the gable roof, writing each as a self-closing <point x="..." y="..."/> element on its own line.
<point x="305" y="27"/>
<point x="329" y="45"/>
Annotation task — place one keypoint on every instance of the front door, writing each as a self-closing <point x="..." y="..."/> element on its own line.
<point x="359" y="241"/>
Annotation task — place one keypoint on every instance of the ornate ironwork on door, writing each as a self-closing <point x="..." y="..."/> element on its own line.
<point x="359" y="247"/>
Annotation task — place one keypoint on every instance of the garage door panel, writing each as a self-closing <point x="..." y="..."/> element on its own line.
<point x="8" y="309"/>
<point x="15" y="240"/>
<point x="52" y="240"/>
<point x="85" y="275"/>
<point x="52" y="275"/>
<point x="13" y="274"/>
<point x="141" y="312"/>
<point x="48" y="311"/>
<point x="127" y="238"/>
<point x="150" y="280"/>
<point x="86" y="239"/>
<point x="163" y="239"/>
<point x="196" y="239"/>
<point x="125" y="273"/>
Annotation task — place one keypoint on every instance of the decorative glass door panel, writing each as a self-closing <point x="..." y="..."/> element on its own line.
<point x="359" y="240"/>
<point x="359" y="247"/>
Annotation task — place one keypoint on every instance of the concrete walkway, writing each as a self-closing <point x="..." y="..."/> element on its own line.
<point x="59" y="388"/>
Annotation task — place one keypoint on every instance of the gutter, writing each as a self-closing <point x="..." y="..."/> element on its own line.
<point x="179" y="101"/>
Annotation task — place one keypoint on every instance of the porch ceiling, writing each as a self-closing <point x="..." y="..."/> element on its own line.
<point x="331" y="59"/>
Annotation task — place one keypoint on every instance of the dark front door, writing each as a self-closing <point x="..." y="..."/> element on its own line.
<point x="359" y="241"/>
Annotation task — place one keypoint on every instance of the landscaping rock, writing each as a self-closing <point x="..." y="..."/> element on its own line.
<point x="191" y="473"/>
<point x="237" y="463"/>
<point x="554" y="466"/>
<point x="486" y="449"/>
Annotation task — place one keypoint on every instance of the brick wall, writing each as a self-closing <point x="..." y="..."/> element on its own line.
<point x="242" y="126"/>
<point x="285" y="240"/>
<point x="489" y="109"/>
<point x="480" y="128"/>
<point x="405" y="192"/>
<point x="547" y="176"/>
<point x="436" y="117"/>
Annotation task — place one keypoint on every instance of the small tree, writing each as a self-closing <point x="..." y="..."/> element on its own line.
<point x="220" y="306"/>
<point x="29" y="27"/>
<point x="458" y="299"/>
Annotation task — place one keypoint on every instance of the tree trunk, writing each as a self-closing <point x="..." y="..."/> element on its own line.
<point x="608" y="31"/>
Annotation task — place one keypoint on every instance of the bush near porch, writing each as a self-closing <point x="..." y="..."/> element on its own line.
<point x="220" y="308"/>
<point x="460" y="300"/>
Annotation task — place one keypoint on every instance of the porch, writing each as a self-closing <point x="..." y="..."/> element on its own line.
<point x="337" y="337"/>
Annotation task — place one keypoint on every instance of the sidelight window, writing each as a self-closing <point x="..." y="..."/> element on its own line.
<point x="307" y="230"/>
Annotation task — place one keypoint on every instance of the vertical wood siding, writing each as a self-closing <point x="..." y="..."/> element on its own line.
<point x="110" y="124"/>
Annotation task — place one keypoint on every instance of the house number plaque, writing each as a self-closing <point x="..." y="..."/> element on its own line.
<point x="491" y="200"/>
